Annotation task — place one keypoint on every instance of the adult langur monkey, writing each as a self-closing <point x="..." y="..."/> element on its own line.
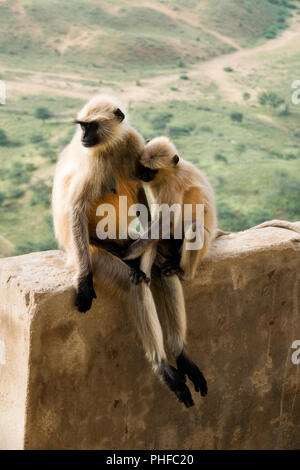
<point x="97" y="167"/>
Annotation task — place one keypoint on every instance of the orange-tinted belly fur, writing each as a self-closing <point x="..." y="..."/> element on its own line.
<point x="126" y="188"/>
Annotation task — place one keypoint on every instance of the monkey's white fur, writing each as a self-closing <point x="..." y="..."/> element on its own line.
<point x="87" y="177"/>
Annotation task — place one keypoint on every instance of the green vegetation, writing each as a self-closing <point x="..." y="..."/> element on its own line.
<point x="237" y="117"/>
<point x="242" y="133"/>
<point x="43" y="114"/>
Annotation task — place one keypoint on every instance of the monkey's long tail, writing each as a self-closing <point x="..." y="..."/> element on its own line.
<point x="220" y="233"/>
<point x="295" y="227"/>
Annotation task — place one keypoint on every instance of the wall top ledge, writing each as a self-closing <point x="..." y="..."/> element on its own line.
<point x="46" y="271"/>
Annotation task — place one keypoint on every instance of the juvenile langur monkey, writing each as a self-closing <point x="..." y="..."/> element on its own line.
<point x="96" y="168"/>
<point x="176" y="181"/>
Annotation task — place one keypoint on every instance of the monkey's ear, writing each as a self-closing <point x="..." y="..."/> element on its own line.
<point x="175" y="159"/>
<point x="120" y="115"/>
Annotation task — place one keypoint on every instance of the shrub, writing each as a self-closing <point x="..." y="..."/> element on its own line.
<point x="228" y="69"/>
<point x="178" y="131"/>
<point x="14" y="193"/>
<point x="41" y="194"/>
<point x="29" y="246"/>
<point x="290" y="156"/>
<point x="3" y="138"/>
<point x="270" y="99"/>
<point x="237" y="117"/>
<point x="271" y="33"/>
<point x="159" y="121"/>
<point x="36" y="138"/>
<point x="240" y="147"/>
<point x="220" y="158"/>
<point x="285" y="111"/>
<point x="43" y="114"/>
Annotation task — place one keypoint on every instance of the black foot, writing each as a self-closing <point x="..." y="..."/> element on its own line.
<point x="188" y="367"/>
<point x="85" y="293"/>
<point x="171" y="267"/>
<point x="176" y="382"/>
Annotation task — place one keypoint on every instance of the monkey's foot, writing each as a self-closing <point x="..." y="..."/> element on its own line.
<point x="176" y="382"/>
<point x="171" y="267"/>
<point x="188" y="367"/>
<point x="85" y="293"/>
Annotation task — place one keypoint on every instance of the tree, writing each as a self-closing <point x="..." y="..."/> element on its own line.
<point x="43" y="114"/>
<point x="270" y="99"/>
<point x="238" y="117"/>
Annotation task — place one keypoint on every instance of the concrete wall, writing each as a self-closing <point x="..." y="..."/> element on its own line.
<point x="73" y="381"/>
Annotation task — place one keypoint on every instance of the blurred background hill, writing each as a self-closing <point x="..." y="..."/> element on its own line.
<point x="214" y="75"/>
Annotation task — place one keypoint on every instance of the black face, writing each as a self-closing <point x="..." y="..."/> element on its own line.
<point x="90" y="133"/>
<point x="94" y="132"/>
<point x="175" y="160"/>
<point x="145" y="174"/>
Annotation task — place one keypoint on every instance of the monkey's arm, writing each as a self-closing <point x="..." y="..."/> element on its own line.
<point x="85" y="292"/>
<point x="136" y="274"/>
<point x="140" y="245"/>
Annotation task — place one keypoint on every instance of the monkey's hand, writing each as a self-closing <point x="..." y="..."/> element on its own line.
<point x="171" y="266"/>
<point x="85" y="293"/>
<point x="136" y="274"/>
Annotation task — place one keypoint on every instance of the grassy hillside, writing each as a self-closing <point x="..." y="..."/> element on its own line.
<point x="217" y="75"/>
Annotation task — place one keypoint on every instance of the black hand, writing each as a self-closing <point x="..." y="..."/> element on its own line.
<point x="85" y="293"/>
<point x="171" y="267"/>
<point x="136" y="274"/>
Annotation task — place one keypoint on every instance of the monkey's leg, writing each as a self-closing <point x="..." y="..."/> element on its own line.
<point x="148" y="239"/>
<point x="191" y="257"/>
<point x="176" y="328"/>
<point x="85" y="292"/>
<point x="147" y="259"/>
<point x="136" y="274"/>
<point x="114" y="273"/>
<point x="152" y="337"/>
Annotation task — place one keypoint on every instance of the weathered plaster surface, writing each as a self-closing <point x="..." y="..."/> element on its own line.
<point x="73" y="381"/>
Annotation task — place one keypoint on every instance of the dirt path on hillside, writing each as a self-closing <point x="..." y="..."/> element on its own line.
<point x="157" y="88"/>
<point x="189" y="19"/>
<point x="214" y="68"/>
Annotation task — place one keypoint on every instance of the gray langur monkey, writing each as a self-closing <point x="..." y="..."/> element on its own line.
<point x="175" y="181"/>
<point x="172" y="180"/>
<point x="97" y="167"/>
